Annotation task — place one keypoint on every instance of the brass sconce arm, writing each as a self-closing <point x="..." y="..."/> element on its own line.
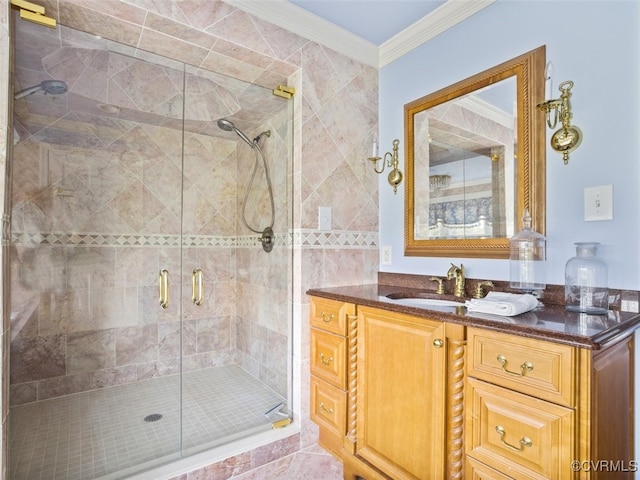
<point x="389" y="160"/>
<point x="568" y="137"/>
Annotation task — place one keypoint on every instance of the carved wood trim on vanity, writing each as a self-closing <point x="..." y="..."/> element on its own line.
<point x="352" y="382"/>
<point x="455" y="415"/>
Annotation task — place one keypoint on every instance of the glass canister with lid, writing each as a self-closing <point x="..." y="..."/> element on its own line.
<point x="586" y="287"/>
<point x="527" y="258"/>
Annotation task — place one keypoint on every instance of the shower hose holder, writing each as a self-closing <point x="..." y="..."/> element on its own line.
<point x="268" y="239"/>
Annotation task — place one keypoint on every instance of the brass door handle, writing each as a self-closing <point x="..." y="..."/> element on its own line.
<point x="524" y="368"/>
<point x="163" y="288"/>
<point x="328" y="410"/>
<point x="327" y="362"/>
<point x="197" y="287"/>
<point x="438" y="343"/>
<point x="327" y="318"/>
<point x="524" y="441"/>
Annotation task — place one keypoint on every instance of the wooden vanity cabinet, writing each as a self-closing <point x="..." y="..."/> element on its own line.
<point x="410" y="398"/>
<point x="533" y="407"/>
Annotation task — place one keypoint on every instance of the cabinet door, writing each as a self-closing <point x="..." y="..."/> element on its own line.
<point x="401" y="394"/>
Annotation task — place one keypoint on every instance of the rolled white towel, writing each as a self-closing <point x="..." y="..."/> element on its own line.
<point x="501" y="303"/>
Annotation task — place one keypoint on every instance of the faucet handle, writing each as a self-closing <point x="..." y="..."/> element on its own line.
<point x="479" y="291"/>
<point x="440" y="289"/>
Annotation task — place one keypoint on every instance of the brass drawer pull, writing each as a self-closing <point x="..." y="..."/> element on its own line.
<point x="328" y="410"/>
<point x="524" y="368"/>
<point x="163" y="288"/>
<point x="438" y="343"/>
<point x="327" y="362"/>
<point x="197" y="286"/>
<point x="524" y="441"/>
<point x="327" y="318"/>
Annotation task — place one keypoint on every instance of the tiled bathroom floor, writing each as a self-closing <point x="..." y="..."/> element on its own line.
<point x="103" y="433"/>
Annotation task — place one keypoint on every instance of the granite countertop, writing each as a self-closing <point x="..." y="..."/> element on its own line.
<point x="547" y="322"/>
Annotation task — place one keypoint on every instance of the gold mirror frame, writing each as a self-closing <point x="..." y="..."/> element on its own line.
<point x="531" y="156"/>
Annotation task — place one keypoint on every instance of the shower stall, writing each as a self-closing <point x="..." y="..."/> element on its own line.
<point x="149" y="321"/>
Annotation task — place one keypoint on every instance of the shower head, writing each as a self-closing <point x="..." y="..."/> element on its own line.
<point x="228" y="126"/>
<point x="49" y="87"/>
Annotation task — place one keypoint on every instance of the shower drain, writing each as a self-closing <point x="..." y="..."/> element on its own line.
<point x="154" y="417"/>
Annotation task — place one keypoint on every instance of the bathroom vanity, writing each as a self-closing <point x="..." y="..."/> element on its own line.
<point x="421" y="390"/>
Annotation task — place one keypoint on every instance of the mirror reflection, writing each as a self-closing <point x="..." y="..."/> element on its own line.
<point x="468" y="175"/>
<point x="464" y="153"/>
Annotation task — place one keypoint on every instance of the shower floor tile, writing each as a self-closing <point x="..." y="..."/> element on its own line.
<point x="103" y="433"/>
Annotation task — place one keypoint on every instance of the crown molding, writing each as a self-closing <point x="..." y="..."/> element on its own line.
<point x="487" y="110"/>
<point x="312" y="27"/>
<point x="442" y="18"/>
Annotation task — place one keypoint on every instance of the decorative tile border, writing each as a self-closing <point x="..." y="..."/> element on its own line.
<point x="309" y="239"/>
<point x="303" y="238"/>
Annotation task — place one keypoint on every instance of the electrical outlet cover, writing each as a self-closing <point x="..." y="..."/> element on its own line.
<point x="386" y="255"/>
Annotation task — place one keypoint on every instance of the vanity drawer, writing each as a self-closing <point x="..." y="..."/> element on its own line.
<point x="328" y="407"/>
<point x="328" y="362"/>
<point x="543" y="369"/>
<point x="515" y="433"/>
<point x="479" y="471"/>
<point x="330" y="315"/>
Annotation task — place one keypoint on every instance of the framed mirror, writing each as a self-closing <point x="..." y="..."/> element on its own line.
<point x="474" y="160"/>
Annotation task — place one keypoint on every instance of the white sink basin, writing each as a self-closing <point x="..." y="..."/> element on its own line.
<point x="426" y="302"/>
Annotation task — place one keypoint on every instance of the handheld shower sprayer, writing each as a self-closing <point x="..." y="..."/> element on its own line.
<point x="228" y="126"/>
<point x="267" y="237"/>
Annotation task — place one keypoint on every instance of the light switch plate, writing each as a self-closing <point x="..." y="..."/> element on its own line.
<point x="324" y="218"/>
<point x="598" y="203"/>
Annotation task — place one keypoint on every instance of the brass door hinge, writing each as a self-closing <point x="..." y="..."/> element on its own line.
<point x="284" y="91"/>
<point x="33" y="13"/>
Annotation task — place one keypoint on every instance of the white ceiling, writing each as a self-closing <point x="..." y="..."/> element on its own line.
<point x="375" y="32"/>
<point x="375" y="21"/>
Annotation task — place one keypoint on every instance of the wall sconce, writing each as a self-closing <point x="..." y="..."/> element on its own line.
<point x="395" y="175"/>
<point x="569" y="137"/>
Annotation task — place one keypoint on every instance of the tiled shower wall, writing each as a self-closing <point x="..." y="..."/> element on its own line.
<point x="335" y="120"/>
<point x="5" y="153"/>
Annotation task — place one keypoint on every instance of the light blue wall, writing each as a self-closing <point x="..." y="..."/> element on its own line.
<point x="593" y="43"/>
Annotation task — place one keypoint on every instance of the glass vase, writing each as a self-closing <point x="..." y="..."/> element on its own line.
<point x="586" y="281"/>
<point x="527" y="258"/>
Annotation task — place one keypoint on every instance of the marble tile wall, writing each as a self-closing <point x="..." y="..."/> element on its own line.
<point x="5" y="153"/>
<point x="335" y="118"/>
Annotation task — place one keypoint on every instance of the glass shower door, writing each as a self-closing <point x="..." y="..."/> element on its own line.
<point x="236" y="316"/>
<point x="148" y="323"/>
<point x="97" y="195"/>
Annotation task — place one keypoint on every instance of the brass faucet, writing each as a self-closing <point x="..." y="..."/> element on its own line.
<point x="440" y="289"/>
<point x="479" y="291"/>
<point x="458" y="274"/>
